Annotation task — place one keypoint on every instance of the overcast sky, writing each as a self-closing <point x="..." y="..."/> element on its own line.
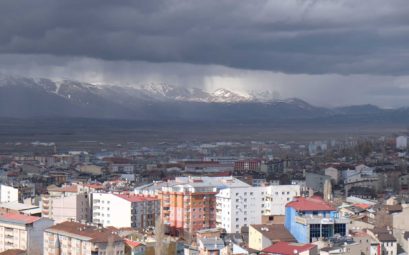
<point x="329" y="52"/>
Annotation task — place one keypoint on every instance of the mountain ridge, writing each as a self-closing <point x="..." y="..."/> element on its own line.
<point x="24" y="97"/>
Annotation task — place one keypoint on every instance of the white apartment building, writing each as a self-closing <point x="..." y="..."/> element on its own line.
<point x="19" y="231"/>
<point x="243" y="206"/>
<point x="125" y="210"/>
<point x="66" y="203"/>
<point x="79" y="239"/>
<point x="401" y="142"/>
<point x="238" y="207"/>
<point x="8" y="194"/>
<point x="277" y="196"/>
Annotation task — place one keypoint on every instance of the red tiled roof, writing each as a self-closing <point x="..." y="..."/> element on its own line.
<point x="310" y="204"/>
<point x="285" y="248"/>
<point x="94" y="233"/>
<point x="362" y="206"/>
<point x="136" y="198"/>
<point x="20" y="218"/>
<point x="132" y="243"/>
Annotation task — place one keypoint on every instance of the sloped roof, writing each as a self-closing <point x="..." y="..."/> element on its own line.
<point x="274" y="232"/>
<point x="18" y="218"/>
<point x="285" y="248"/>
<point x="90" y="233"/>
<point x="136" y="197"/>
<point x="310" y="204"/>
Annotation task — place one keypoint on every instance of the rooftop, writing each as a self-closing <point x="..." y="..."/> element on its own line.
<point x="85" y="232"/>
<point x="136" y="198"/>
<point x="310" y="204"/>
<point x="132" y="243"/>
<point x="18" y="218"/>
<point x="17" y="206"/>
<point x="286" y="248"/>
<point x="68" y="188"/>
<point x="275" y="232"/>
<point x="383" y="235"/>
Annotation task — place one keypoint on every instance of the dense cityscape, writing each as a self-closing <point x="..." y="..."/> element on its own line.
<point x="346" y="196"/>
<point x="215" y="127"/>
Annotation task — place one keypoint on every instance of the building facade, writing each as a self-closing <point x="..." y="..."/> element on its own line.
<point x="239" y="207"/>
<point x="79" y="239"/>
<point x="8" y="194"/>
<point x="18" y="231"/>
<point x="67" y="203"/>
<point x="125" y="210"/>
<point x="189" y="203"/>
<point x="310" y="219"/>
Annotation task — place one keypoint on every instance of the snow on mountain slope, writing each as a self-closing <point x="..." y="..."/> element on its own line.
<point x="226" y="96"/>
<point x="80" y="92"/>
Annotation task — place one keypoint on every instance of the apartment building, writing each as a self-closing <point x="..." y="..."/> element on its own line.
<point x="8" y="194"/>
<point x="125" y="210"/>
<point x="310" y="219"/>
<point x="241" y="206"/>
<point x="277" y="196"/>
<point x="189" y="203"/>
<point x="66" y="203"/>
<point x="384" y="243"/>
<point x="18" y="231"/>
<point x="79" y="239"/>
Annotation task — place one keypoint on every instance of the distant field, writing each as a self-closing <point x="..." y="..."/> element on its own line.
<point x="93" y="134"/>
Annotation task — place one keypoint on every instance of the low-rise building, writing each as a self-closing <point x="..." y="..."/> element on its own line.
<point x="262" y="236"/>
<point x="286" y="248"/>
<point x="309" y="219"/>
<point x="384" y="242"/>
<point x="316" y="181"/>
<point x="80" y="239"/>
<point x="18" y="231"/>
<point x="66" y="203"/>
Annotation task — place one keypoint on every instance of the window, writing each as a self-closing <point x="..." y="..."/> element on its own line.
<point x="315" y="230"/>
<point x="340" y="229"/>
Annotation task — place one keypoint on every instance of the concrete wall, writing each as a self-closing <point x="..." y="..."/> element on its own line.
<point x="8" y="194"/>
<point x="36" y="236"/>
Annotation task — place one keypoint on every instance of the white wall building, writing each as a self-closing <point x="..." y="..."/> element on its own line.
<point x="18" y="231"/>
<point x="278" y="196"/>
<point x="8" y="194"/>
<point x="401" y="142"/>
<point x="125" y="210"/>
<point x="242" y="206"/>
<point x="66" y="203"/>
<point x="238" y="207"/>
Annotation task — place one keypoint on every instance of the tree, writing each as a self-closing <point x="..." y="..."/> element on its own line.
<point x="160" y="248"/>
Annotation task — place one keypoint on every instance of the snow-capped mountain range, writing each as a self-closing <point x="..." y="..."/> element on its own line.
<point x="151" y="91"/>
<point x="22" y="97"/>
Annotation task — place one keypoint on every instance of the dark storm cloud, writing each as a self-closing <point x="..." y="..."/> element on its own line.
<point x="292" y="36"/>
